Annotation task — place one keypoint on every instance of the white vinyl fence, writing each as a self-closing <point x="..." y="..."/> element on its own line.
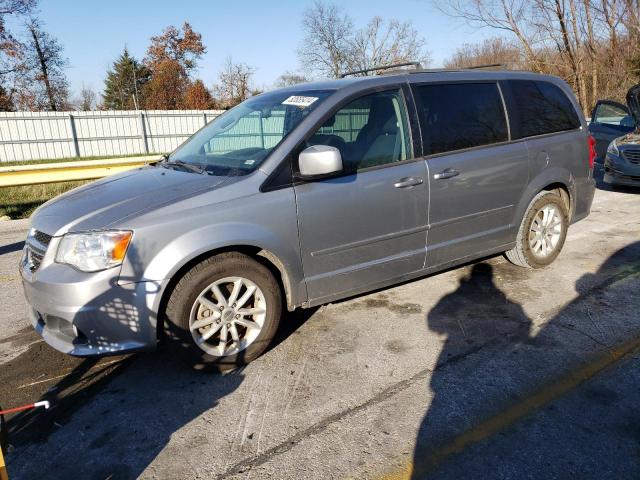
<point x="44" y="135"/>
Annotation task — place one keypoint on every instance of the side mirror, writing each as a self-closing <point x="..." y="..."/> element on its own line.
<point x="319" y="161"/>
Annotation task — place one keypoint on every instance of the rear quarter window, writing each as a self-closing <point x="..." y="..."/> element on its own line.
<point x="540" y="107"/>
<point x="460" y="115"/>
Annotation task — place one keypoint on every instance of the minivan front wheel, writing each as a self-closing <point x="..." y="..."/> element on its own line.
<point x="223" y="312"/>
<point x="542" y="232"/>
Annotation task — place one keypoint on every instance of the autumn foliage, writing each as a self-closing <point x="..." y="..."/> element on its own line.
<point x="198" y="97"/>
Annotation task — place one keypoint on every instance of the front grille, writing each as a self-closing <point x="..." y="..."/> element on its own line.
<point x="632" y="155"/>
<point x="35" y="248"/>
<point x="42" y="238"/>
<point x="33" y="258"/>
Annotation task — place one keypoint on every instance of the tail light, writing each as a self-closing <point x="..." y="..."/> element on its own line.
<point x="592" y="151"/>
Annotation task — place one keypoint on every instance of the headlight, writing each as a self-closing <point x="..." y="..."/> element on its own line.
<point x="613" y="148"/>
<point x="93" y="251"/>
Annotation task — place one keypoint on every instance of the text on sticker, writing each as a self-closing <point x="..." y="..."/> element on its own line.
<point x="299" y="100"/>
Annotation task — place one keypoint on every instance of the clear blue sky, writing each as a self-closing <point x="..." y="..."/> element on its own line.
<point x="261" y="33"/>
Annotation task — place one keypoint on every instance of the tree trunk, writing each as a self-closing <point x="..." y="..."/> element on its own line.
<point x="43" y="69"/>
<point x="531" y="56"/>
<point x="592" y="53"/>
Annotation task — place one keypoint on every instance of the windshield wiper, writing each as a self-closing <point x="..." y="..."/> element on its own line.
<point x="178" y="163"/>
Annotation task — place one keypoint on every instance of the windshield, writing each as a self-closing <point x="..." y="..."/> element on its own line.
<point x="238" y="141"/>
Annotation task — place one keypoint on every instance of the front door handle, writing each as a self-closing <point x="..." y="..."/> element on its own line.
<point x="446" y="173"/>
<point x="408" y="182"/>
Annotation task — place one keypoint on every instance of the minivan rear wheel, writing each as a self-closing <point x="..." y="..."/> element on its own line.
<point x="223" y="312"/>
<point x="542" y="232"/>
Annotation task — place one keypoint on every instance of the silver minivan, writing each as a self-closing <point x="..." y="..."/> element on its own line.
<point x="303" y="196"/>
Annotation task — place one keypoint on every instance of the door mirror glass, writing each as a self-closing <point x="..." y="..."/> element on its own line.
<point x="319" y="161"/>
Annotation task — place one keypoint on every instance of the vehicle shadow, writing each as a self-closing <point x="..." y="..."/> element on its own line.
<point x="479" y="313"/>
<point x="11" y="248"/>
<point x="129" y="423"/>
<point x="124" y="411"/>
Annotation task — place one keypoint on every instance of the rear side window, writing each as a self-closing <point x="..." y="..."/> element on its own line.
<point x="541" y="107"/>
<point x="458" y="116"/>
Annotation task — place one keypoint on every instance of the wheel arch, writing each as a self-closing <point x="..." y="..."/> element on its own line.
<point x="264" y="256"/>
<point x="563" y="192"/>
<point x="552" y="180"/>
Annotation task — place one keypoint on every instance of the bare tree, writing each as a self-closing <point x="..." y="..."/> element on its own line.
<point x="327" y="40"/>
<point x="234" y="83"/>
<point x="46" y="61"/>
<point x="589" y="43"/>
<point x="508" y="16"/>
<point x="288" y="79"/>
<point x="331" y="46"/>
<point x="87" y="100"/>
<point x="383" y="42"/>
<point x="491" y="51"/>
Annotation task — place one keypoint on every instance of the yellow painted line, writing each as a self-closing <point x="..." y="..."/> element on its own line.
<point x="495" y="424"/>
<point x="20" y="175"/>
<point x="9" y="278"/>
<point x="3" y="468"/>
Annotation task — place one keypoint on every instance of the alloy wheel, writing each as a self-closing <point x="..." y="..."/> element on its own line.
<point x="227" y="316"/>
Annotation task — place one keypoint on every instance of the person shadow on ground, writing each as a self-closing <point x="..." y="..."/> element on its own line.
<point x="476" y="315"/>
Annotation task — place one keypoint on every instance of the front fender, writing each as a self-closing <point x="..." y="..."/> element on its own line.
<point x="166" y="240"/>
<point x="192" y="244"/>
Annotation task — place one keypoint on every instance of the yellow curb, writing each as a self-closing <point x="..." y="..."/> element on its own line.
<point x="3" y="468"/>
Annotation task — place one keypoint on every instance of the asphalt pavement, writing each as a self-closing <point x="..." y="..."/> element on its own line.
<point x="483" y="371"/>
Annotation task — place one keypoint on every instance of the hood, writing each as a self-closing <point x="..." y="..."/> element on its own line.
<point x="633" y="102"/>
<point x="101" y="204"/>
<point x="631" y="138"/>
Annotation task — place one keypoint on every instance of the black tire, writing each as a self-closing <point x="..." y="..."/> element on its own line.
<point x="522" y="254"/>
<point x="178" y="310"/>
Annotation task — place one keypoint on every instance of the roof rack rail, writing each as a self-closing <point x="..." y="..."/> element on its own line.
<point x="417" y="65"/>
<point x="486" y="65"/>
<point x="461" y="69"/>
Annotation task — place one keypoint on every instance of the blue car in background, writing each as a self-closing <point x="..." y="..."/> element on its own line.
<point x="615" y="127"/>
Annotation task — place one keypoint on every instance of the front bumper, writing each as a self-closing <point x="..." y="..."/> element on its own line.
<point x="618" y="171"/>
<point x="87" y="314"/>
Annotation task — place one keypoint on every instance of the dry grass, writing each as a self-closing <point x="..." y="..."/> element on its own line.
<point x="20" y="202"/>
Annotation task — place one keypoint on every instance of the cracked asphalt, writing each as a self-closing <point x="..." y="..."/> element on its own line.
<point x="483" y="371"/>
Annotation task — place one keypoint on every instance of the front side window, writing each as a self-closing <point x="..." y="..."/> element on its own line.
<point x="542" y="107"/>
<point x="238" y="141"/>
<point x="610" y="114"/>
<point x="459" y="116"/>
<point x="370" y="131"/>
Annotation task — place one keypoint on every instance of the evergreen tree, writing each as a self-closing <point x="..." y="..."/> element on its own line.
<point x="123" y="87"/>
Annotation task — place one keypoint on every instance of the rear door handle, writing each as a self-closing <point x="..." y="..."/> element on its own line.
<point x="446" y="173"/>
<point x="408" y="182"/>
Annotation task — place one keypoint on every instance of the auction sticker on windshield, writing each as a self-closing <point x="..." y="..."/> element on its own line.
<point x="299" y="101"/>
